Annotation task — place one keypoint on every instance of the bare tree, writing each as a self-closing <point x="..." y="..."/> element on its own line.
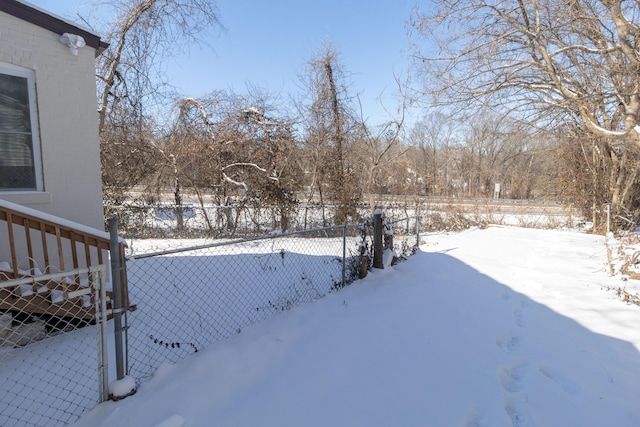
<point x="329" y="127"/>
<point x="232" y="145"/>
<point x="128" y="156"/>
<point x="431" y="139"/>
<point x="131" y="82"/>
<point x="382" y="145"/>
<point x="145" y="34"/>
<point x="549" y="62"/>
<point x="453" y="157"/>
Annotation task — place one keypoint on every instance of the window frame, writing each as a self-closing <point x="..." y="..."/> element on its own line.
<point x="30" y="76"/>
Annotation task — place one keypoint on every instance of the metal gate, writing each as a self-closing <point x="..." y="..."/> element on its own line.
<point x="53" y="346"/>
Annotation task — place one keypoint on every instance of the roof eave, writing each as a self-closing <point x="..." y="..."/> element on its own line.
<point x="27" y="12"/>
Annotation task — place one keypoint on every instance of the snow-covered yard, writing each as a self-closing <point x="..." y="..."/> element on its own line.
<point x="495" y="327"/>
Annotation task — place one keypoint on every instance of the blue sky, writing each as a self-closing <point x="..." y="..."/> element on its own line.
<point x="267" y="44"/>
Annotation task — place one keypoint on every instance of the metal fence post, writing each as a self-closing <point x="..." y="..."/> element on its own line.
<point x="344" y="254"/>
<point x="377" y="239"/>
<point x="116" y="268"/>
<point x="101" y="319"/>
<point x="418" y="227"/>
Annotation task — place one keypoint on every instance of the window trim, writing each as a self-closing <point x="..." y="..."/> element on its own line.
<point x="30" y="76"/>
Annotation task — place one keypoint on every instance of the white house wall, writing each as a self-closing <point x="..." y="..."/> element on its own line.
<point x="67" y="118"/>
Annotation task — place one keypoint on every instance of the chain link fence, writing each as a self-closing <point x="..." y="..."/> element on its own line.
<point x="146" y="221"/>
<point x="52" y="346"/>
<point x="165" y="220"/>
<point x="53" y="327"/>
<point x="188" y="298"/>
<point x="403" y="235"/>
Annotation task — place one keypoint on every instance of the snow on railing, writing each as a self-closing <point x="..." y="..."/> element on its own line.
<point x="48" y="240"/>
<point x="52" y="274"/>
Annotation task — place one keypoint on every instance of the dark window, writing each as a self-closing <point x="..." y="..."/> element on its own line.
<point x="18" y="155"/>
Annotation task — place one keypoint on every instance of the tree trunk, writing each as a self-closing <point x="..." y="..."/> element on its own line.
<point x="177" y="194"/>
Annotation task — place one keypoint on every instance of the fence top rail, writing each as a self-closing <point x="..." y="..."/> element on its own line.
<point x="401" y="220"/>
<point x="237" y="241"/>
<point x="101" y="268"/>
<point x="33" y="219"/>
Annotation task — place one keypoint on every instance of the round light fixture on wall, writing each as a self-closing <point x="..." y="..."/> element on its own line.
<point x="73" y="41"/>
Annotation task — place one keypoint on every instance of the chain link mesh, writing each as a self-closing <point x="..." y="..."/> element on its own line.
<point x="187" y="299"/>
<point x="403" y="235"/>
<point x="48" y="347"/>
<point x="149" y="221"/>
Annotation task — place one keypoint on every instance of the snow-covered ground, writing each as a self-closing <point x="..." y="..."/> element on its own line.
<point x="494" y="327"/>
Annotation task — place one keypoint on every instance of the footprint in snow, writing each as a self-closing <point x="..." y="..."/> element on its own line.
<point x="567" y="385"/>
<point x="475" y="418"/>
<point x="511" y="344"/>
<point x="513" y="377"/>
<point x="519" y="413"/>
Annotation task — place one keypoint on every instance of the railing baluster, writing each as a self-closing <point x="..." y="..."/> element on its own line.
<point x="87" y="254"/>
<point x="27" y="236"/>
<point x="45" y="249"/>
<point x="60" y="251"/>
<point x="14" y="256"/>
<point x="74" y="249"/>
